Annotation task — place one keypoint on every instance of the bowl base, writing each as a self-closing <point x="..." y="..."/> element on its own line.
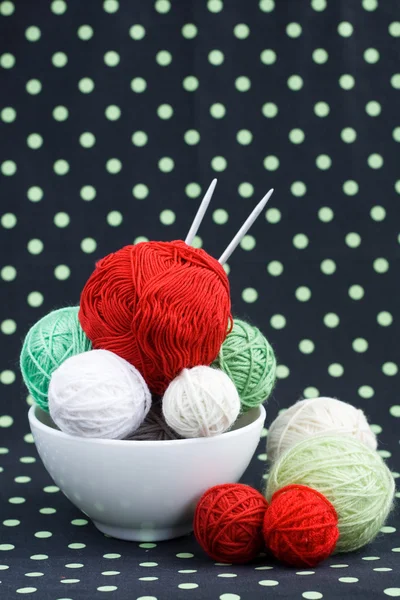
<point x="143" y="534"/>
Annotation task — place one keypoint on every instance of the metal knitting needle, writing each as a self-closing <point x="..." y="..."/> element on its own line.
<point x="200" y="213"/>
<point x="244" y="228"/>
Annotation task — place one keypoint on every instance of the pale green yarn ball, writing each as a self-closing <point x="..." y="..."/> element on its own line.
<point x="248" y="359"/>
<point x="353" y="478"/>
<point x="49" y="342"/>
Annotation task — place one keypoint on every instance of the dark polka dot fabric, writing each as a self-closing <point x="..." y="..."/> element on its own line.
<point x="114" y="118"/>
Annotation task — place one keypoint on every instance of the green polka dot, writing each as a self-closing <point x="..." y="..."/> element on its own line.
<point x="59" y="59"/>
<point x="190" y="83"/>
<point x="7" y="377"/>
<point x="370" y="4"/>
<point x="139" y="138"/>
<point x="61" y="219"/>
<point x="88" y="193"/>
<point x="312" y="595"/>
<point x="293" y="30"/>
<point x="77" y="546"/>
<point x="348" y="135"/>
<point x="390" y="369"/>
<point x="246" y="190"/>
<point x="189" y="31"/>
<point x="34" y="141"/>
<point x="215" y="6"/>
<point x="220" y="216"/>
<point x="381" y="265"/>
<point x="248" y="242"/>
<point x="86" y="85"/>
<point x="79" y="522"/>
<point x="275" y="268"/>
<point x="377" y="213"/>
<point x="318" y="5"/>
<point x="137" y="32"/>
<point x="269" y="110"/>
<point x="396" y="134"/>
<point x="35" y="299"/>
<point x="8" y="114"/>
<point x="371" y="55"/>
<point x="320" y="56"/>
<point x="328" y="266"/>
<point x="162" y="6"/>
<point x="395" y="81"/>
<point x="60" y="113"/>
<point x="114" y="218"/>
<point x="395" y="412"/>
<point x="217" y="110"/>
<point x="346" y="81"/>
<point x="43" y="534"/>
<point x="87" y="139"/>
<point x="241" y="31"/>
<point x="356" y="292"/>
<point x="306" y="346"/>
<point x="113" y="166"/>
<point x="350" y="187"/>
<point x="375" y="161"/>
<point x="140" y="191"/>
<point x="271" y="163"/>
<point x="165" y="111"/>
<point x="345" y="29"/>
<point x="193" y="190"/>
<point x="303" y="293"/>
<point x="88" y="245"/>
<point x="11" y="523"/>
<point x="366" y="391"/>
<point x="298" y="188"/>
<point x="323" y="161"/>
<point x="7" y="60"/>
<point x="277" y="321"/>
<point x="216" y="57"/>
<point x="5" y="547"/>
<point x="244" y="137"/>
<point x="219" y="163"/>
<point x="62" y="272"/>
<point x="273" y="215"/>
<point x="249" y="295"/>
<point x="296" y="136"/>
<point x="85" y="32"/>
<point x="8" y="168"/>
<point x="26" y="590"/>
<point x="112" y="112"/>
<point x="325" y="214"/>
<point x="295" y="83"/>
<point x="166" y="164"/>
<point x="282" y="371"/>
<point x="394" y="29"/>
<point x="27" y="460"/>
<point x="331" y="320"/>
<point x="33" y="33"/>
<point x="353" y="240"/>
<point x="17" y="500"/>
<point x="8" y="273"/>
<point x="35" y="246"/>
<point x="6" y="420"/>
<point x="268" y="57"/>
<point x="360" y="345"/>
<point x="384" y="318"/>
<point x="138" y="85"/>
<point x="335" y="370"/>
<point x="111" y="58"/>
<point x="163" y="58"/>
<point x="268" y="583"/>
<point x="167" y="217"/>
<point x="393" y="592"/>
<point x="310" y="392"/>
<point x="8" y="326"/>
<point x="61" y="167"/>
<point x="300" y="241"/>
<point x="321" y="109"/>
<point x="265" y="6"/>
<point x="33" y="87"/>
<point x="8" y="220"/>
<point x="22" y="479"/>
<point x="242" y="84"/>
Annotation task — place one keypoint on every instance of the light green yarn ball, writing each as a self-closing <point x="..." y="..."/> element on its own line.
<point x="53" y="339"/>
<point x="248" y="359"/>
<point x="353" y="478"/>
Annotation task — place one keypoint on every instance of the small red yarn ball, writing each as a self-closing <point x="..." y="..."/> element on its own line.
<point x="300" y="526"/>
<point x="228" y="522"/>
<point x="162" y="306"/>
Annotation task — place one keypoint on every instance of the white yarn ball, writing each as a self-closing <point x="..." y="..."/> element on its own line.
<point x="313" y="417"/>
<point x="201" y="402"/>
<point x="98" y="394"/>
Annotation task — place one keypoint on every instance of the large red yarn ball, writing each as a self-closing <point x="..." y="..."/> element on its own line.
<point x="162" y="306"/>
<point x="300" y="526"/>
<point x="228" y="522"/>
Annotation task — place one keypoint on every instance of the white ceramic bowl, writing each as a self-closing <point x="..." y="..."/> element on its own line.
<point x="143" y="491"/>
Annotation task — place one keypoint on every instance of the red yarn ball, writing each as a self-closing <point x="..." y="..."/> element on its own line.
<point x="300" y="526"/>
<point x="228" y="522"/>
<point x="162" y="306"/>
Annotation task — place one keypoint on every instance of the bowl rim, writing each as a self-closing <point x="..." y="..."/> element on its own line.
<point x="36" y="423"/>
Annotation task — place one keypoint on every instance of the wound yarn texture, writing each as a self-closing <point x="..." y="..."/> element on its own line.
<point x="154" y="428"/>
<point x="353" y="478"/>
<point x="249" y="360"/>
<point x="228" y="522"/>
<point x="98" y="395"/>
<point x="49" y="342"/>
<point x="162" y="306"/>
<point x="201" y="402"/>
<point x="300" y="526"/>
<point x="316" y="416"/>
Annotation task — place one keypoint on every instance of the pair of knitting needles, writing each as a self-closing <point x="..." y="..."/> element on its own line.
<point x="242" y="231"/>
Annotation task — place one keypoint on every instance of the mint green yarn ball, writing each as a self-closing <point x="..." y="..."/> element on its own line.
<point x="351" y="476"/>
<point x="52" y="340"/>
<point x="248" y="359"/>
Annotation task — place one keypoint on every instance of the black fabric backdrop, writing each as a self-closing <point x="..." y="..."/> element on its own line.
<point x="300" y="96"/>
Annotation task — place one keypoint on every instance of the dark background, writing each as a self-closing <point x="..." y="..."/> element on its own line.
<point x="306" y="100"/>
